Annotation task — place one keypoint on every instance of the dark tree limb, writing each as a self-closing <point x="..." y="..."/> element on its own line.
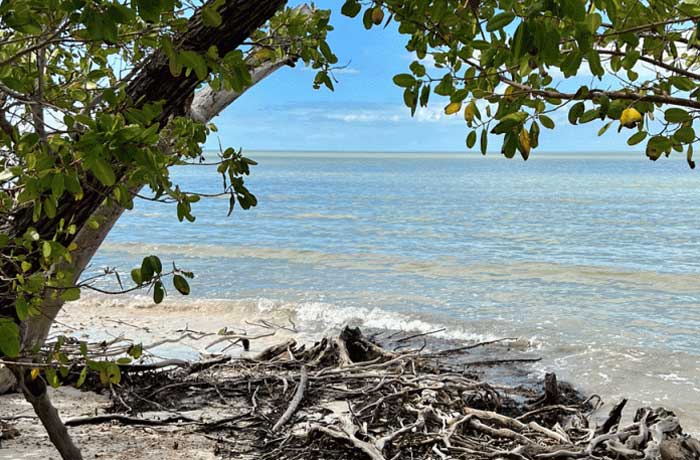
<point x="35" y="393"/>
<point x="152" y="83"/>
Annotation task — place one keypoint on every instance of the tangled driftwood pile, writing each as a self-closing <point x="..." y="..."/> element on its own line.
<point x="349" y="398"/>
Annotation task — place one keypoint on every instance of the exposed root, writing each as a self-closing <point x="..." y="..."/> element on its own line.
<point x="354" y="400"/>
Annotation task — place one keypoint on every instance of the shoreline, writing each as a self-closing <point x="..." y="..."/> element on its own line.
<point x="147" y="323"/>
<point x="176" y="423"/>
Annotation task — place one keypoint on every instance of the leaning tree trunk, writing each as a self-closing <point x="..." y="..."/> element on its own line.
<point x="154" y="83"/>
<point x="205" y="105"/>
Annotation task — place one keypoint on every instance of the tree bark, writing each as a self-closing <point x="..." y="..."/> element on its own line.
<point x="208" y="103"/>
<point x="35" y="392"/>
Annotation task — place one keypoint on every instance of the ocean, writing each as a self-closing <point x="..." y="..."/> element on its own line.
<point x="590" y="258"/>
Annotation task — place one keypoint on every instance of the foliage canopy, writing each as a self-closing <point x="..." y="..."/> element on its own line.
<point x="95" y="99"/>
<point x="86" y="121"/>
<point x="503" y="63"/>
<point x="87" y="118"/>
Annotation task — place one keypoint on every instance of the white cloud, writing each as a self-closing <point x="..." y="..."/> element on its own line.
<point x="434" y="113"/>
<point x="363" y="116"/>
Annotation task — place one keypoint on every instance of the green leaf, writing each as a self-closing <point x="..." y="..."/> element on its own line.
<point x="518" y="44"/>
<point x="211" y="17"/>
<point x="534" y="135"/>
<point x="594" y="64"/>
<point x="52" y="377"/>
<point x="510" y="144"/>
<point x="156" y="264"/>
<point x="689" y="157"/>
<point x="499" y="21"/>
<point x="175" y="66"/>
<point x="682" y="83"/>
<point x="195" y="62"/>
<point x="9" y="338"/>
<point x="605" y="127"/>
<point x="637" y="137"/>
<point x="404" y="80"/>
<point x="70" y="294"/>
<point x="484" y="141"/>
<point x="589" y="116"/>
<point x="46" y="249"/>
<point x="685" y="135"/>
<point x="82" y="377"/>
<point x="158" y="292"/>
<point x="103" y="172"/>
<point x="110" y="374"/>
<point x="150" y="266"/>
<point x="22" y="309"/>
<point x="546" y="121"/>
<point x="120" y="13"/>
<point x="471" y="139"/>
<point x="327" y="53"/>
<point x="575" y="9"/>
<point x="351" y="8"/>
<point x="73" y="185"/>
<point x="676" y="115"/>
<point x="136" y="276"/>
<point x="575" y="112"/>
<point x="181" y="285"/>
<point x="57" y="185"/>
<point x="149" y="10"/>
<point x="135" y="351"/>
<point x="509" y="122"/>
<point x="656" y="146"/>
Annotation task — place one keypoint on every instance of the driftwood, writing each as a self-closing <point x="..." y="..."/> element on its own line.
<point x="294" y="404"/>
<point x="354" y="400"/>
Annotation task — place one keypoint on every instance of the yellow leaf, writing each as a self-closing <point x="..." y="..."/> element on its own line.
<point x="35" y="373"/>
<point x="469" y="112"/>
<point x="508" y="93"/>
<point x="72" y="246"/>
<point x="630" y="117"/>
<point x="452" y="108"/>
<point x="377" y="15"/>
<point x="524" y="141"/>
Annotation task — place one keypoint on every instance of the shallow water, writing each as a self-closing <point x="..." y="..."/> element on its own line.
<point x="590" y="258"/>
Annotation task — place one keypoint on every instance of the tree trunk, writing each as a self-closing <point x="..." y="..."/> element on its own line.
<point x="35" y="392"/>
<point x="154" y="83"/>
<point x="205" y="105"/>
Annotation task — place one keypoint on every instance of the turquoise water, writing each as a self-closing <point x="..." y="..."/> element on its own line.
<point x="592" y="258"/>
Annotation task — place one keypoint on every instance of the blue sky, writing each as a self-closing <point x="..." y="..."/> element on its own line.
<point x="366" y="111"/>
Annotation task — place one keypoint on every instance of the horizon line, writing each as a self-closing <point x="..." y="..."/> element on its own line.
<point x="560" y="152"/>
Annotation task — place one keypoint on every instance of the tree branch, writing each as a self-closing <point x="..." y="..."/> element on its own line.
<point x="663" y="65"/>
<point x="208" y="102"/>
<point x="613" y="95"/>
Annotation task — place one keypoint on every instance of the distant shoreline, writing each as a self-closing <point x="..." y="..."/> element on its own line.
<point x="627" y="153"/>
<point x="491" y="156"/>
